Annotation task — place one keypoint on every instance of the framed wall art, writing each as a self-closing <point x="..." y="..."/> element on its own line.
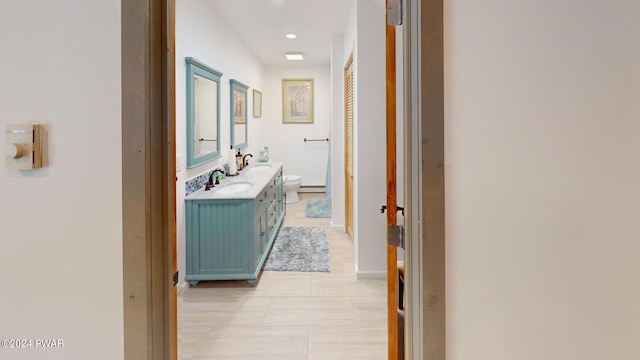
<point x="239" y="125"/>
<point x="257" y="103"/>
<point x="297" y="101"/>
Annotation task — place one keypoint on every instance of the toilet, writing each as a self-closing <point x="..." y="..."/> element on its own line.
<point x="291" y="183"/>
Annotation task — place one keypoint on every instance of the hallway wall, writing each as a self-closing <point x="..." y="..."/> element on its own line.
<point x="370" y="142"/>
<point x="542" y="179"/>
<point x="364" y="37"/>
<point x="61" y="226"/>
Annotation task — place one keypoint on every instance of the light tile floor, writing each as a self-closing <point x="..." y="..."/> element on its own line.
<point x="288" y="315"/>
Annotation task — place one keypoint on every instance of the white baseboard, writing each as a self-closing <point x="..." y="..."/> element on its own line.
<point x="338" y="227"/>
<point x="182" y="287"/>
<point x="312" y="189"/>
<point x="371" y="274"/>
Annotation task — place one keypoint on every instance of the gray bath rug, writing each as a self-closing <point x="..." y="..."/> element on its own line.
<point x="318" y="208"/>
<point x="299" y="249"/>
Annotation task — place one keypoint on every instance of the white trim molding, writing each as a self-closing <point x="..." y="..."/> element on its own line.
<point x="371" y="274"/>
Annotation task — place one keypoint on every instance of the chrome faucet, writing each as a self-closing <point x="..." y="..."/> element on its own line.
<point x="211" y="176"/>
<point x="245" y="162"/>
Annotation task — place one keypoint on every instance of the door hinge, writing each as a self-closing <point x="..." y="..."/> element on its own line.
<point x="394" y="12"/>
<point x="175" y="278"/>
<point x="396" y="236"/>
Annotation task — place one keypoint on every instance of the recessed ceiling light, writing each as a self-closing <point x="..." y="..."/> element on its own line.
<point x="294" y="56"/>
<point x="290" y="36"/>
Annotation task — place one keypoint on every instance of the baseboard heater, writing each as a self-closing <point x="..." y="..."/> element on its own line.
<point x="312" y="189"/>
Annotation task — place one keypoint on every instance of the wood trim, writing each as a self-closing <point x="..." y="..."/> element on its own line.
<point x="148" y="184"/>
<point x="425" y="200"/>
<point x="135" y="107"/>
<point x="431" y="95"/>
<point x="392" y="253"/>
<point x="414" y="327"/>
<point x="171" y="260"/>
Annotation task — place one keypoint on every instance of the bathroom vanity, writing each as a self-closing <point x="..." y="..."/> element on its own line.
<point x="231" y="228"/>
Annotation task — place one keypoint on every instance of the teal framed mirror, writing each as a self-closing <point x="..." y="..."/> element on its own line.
<point x="239" y="125"/>
<point x="203" y="113"/>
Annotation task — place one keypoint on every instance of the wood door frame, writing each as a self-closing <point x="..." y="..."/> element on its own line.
<point x="391" y="191"/>
<point x="148" y="179"/>
<point x="424" y="165"/>
<point x="431" y="45"/>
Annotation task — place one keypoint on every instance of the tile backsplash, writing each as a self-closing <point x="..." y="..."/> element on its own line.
<point x="196" y="183"/>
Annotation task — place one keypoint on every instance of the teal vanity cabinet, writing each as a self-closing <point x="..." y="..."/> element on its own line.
<point x="229" y="236"/>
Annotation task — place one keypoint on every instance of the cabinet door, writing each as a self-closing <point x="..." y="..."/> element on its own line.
<point x="264" y="235"/>
<point x="222" y="243"/>
<point x="260" y="234"/>
<point x="272" y="216"/>
<point x="279" y="194"/>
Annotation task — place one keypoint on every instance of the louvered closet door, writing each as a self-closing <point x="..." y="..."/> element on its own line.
<point x="348" y="121"/>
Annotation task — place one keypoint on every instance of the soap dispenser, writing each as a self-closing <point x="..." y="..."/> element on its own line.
<point x="239" y="160"/>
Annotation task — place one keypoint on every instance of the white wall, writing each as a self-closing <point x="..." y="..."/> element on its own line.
<point x="286" y="141"/>
<point x="203" y="35"/>
<point x="542" y="179"/>
<point x="365" y="37"/>
<point x="61" y="255"/>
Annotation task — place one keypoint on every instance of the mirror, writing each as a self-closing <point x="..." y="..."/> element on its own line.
<point x="238" y="114"/>
<point x="203" y="113"/>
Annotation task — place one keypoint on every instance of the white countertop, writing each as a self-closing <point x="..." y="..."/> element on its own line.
<point x="253" y="174"/>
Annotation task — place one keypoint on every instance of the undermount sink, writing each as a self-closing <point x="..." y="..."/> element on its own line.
<point x="234" y="188"/>
<point x="259" y="167"/>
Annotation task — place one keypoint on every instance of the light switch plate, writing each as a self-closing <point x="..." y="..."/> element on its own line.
<point x="22" y="146"/>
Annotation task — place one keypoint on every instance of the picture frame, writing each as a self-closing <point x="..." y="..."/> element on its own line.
<point x="238" y="106"/>
<point x="257" y="104"/>
<point x="297" y="101"/>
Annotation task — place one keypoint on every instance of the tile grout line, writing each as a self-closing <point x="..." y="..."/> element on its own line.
<point x="264" y="316"/>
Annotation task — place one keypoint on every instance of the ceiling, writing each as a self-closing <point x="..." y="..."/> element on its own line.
<point x="262" y="25"/>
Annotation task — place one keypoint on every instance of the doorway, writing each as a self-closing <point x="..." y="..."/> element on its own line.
<point x="161" y="336"/>
<point x="217" y="309"/>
